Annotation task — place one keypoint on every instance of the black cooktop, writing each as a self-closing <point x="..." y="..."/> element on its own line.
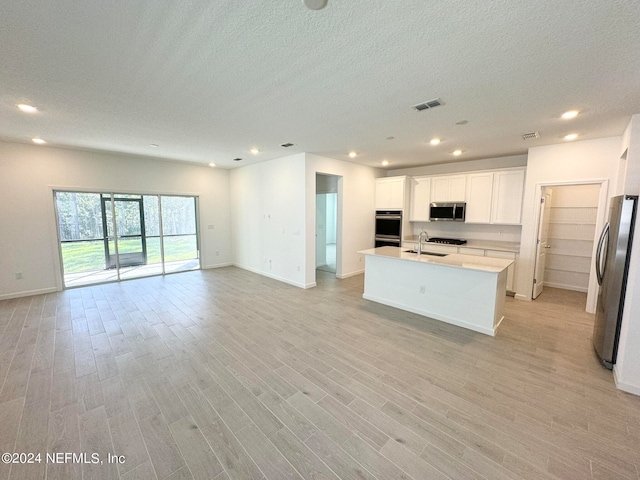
<point x="448" y="241"/>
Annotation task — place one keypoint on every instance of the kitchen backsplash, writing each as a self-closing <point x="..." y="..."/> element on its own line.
<point x="468" y="231"/>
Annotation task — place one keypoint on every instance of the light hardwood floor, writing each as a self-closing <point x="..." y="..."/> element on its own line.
<point x="224" y="374"/>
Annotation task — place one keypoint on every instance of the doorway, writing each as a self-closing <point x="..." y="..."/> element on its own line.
<point x="568" y="222"/>
<point x="327" y="237"/>
<point x="108" y="237"/>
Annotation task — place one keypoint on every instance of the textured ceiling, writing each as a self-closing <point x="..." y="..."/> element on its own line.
<point x="207" y="81"/>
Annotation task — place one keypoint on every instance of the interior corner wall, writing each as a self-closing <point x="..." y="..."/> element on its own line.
<point x="28" y="231"/>
<point x="268" y="218"/>
<point x="356" y="222"/>
<point x="627" y="368"/>
<point x="588" y="160"/>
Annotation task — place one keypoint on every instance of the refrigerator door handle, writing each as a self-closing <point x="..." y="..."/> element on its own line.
<point x="601" y="268"/>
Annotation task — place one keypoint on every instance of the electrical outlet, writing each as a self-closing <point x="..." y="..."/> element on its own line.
<point x="19" y="276"/>
<point x="217" y="253"/>
<point x="210" y="227"/>
<point x="422" y="289"/>
<point x="298" y="267"/>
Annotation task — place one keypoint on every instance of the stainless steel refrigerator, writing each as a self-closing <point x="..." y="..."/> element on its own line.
<point x="612" y="265"/>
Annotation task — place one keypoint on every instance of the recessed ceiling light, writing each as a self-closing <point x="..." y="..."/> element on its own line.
<point x="457" y="152"/>
<point x="287" y="145"/>
<point x="154" y="145"/>
<point x="570" y="114"/>
<point x="237" y="159"/>
<point x="27" y="108"/>
<point x="315" y="4"/>
<point x="571" y="136"/>
<point x="39" y="141"/>
<point x="385" y="163"/>
<point x="434" y="141"/>
<point x="353" y="154"/>
<point x="211" y="164"/>
<point x="255" y="151"/>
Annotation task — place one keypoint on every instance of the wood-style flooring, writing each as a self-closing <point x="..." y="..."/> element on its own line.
<point x="224" y="374"/>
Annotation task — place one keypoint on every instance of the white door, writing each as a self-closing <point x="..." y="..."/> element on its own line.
<point x="543" y="241"/>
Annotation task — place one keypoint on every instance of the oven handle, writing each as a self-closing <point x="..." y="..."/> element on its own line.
<point x="388" y="217"/>
<point x="388" y="239"/>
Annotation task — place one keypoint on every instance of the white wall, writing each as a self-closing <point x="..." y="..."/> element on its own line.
<point x="321" y="229"/>
<point x="268" y="226"/>
<point x="627" y="368"/>
<point x="28" y="231"/>
<point x="586" y="161"/>
<point x="356" y="210"/>
<point x="331" y="217"/>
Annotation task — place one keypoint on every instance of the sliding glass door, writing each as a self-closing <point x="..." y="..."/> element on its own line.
<point x="107" y="237"/>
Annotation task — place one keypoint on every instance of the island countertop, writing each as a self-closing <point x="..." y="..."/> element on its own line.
<point x="456" y="260"/>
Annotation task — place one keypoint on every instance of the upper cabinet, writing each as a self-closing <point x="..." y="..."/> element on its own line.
<point x="493" y="196"/>
<point x="479" y="197"/>
<point x="420" y="198"/>
<point x="448" y="188"/>
<point x="508" y="188"/>
<point x="390" y="193"/>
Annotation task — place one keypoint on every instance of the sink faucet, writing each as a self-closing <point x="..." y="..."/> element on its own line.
<point x="423" y="232"/>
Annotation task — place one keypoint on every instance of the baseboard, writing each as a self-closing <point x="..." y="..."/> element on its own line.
<point x="566" y="287"/>
<point x="350" y="274"/>
<point x="217" y="265"/>
<point x="275" y="277"/>
<point x="625" y="387"/>
<point x="29" y="293"/>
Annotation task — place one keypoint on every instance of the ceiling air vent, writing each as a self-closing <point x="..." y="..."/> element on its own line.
<point x="530" y="135"/>
<point x="237" y="159"/>
<point x="436" y="102"/>
<point x="287" y="145"/>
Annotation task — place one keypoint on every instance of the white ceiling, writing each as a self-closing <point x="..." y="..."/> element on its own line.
<point x="208" y="80"/>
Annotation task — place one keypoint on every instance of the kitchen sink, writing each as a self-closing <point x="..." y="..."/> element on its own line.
<point x="433" y="254"/>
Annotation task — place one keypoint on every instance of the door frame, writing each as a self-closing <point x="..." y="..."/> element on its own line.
<point x="339" y="208"/>
<point x="143" y="237"/>
<point x="601" y="217"/>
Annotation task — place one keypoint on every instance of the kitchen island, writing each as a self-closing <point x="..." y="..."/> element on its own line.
<point x="463" y="290"/>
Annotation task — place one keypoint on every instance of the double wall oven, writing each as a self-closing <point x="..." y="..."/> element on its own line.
<point x="388" y="228"/>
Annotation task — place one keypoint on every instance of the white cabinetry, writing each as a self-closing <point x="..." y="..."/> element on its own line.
<point x="448" y="188"/>
<point x="479" y="197"/>
<point x="508" y="187"/>
<point x="390" y="193"/>
<point x="420" y="198"/>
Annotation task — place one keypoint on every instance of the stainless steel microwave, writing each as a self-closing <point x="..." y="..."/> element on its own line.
<point x="447" y="212"/>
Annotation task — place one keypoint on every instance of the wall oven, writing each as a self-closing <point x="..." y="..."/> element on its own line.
<point x="388" y="228"/>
